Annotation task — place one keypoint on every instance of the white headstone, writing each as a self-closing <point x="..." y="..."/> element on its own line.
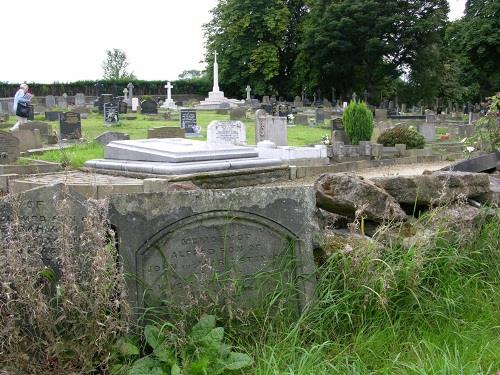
<point x="135" y="104"/>
<point x="226" y="132"/>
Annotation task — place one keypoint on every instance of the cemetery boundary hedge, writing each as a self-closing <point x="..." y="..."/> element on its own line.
<point x="198" y="86"/>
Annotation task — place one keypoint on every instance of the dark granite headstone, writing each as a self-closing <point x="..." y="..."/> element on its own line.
<point x="111" y="114"/>
<point x="70" y="125"/>
<point x="9" y="148"/>
<point x="149" y="107"/>
<point x="188" y="120"/>
<point x="239" y="245"/>
<point x="31" y="115"/>
<point x="52" y="116"/>
<point x="166" y="132"/>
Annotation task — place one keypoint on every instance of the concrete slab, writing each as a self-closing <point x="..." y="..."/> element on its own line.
<point x="175" y="150"/>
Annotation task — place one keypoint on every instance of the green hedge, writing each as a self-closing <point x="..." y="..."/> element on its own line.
<point x="198" y="86"/>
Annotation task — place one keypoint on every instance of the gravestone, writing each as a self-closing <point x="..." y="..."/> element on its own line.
<point x="111" y="114"/>
<point x="319" y="115"/>
<point x="135" y="104"/>
<point x="265" y="100"/>
<point x="188" y="120"/>
<point x="29" y="138"/>
<point x="52" y="116"/>
<point x="226" y="132"/>
<point x="271" y="128"/>
<point x="237" y="113"/>
<point x="31" y="115"/>
<point x="428" y="130"/>
<point x="80" y="100"/>
<point x="70" y="125"/>
<point x="50" y="101"/>
<point x="380" y="114"/>
<point x="62" y="101"/>
<point x="122" y="107"/>
<point x="108" y="137"/>
<point x="166" y="132"/>
<point x="297" y="102"/>
<point x="301" y="118"/>
<point x="149" y="107"/>
<point x="9" y="148"/>
<point x="44" y="128"/>
<point x="41" y="212"/>
<point x="104" y="99"/>
<point x="189" y="245"/>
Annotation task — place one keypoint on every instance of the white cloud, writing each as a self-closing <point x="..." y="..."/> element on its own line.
<point x="66" y="40"/>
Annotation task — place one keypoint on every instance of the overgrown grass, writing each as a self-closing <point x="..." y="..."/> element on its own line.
<point x="431" y="309"/>
<point x="75" y="156"/>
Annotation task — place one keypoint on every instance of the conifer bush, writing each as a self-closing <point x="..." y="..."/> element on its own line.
<point x="358" y="122"/>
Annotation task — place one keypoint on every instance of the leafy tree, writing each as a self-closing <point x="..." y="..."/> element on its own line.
<point x="255" y="40"/>
<point x="354" y="45"/>
<point x="475" y="39"/>
<point x="115" y="65"/>
<point x="191" y="74"/>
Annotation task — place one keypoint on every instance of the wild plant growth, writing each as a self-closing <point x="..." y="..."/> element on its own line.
<point x="59" y="316"/>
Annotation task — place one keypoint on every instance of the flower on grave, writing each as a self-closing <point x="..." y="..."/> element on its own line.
<point x="196" y="129"/>
<point x="326" y="140"/>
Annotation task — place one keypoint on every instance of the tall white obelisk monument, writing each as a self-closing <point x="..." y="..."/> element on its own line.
<point x="216" y="97"/>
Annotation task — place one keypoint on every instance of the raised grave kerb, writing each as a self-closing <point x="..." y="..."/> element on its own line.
<point x="178" y="240"/>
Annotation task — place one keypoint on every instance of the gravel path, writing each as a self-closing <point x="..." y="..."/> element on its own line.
<point x="393" y="170"/>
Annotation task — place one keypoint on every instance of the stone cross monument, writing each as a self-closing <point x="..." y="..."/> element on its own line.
<point x="248" y="89"/>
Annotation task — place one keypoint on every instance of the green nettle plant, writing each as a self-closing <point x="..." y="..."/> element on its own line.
<point x="202" y="352"/>
<point x="358" y="122"/>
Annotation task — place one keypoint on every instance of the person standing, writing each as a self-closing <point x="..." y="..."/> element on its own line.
<point x="23" y="96"/>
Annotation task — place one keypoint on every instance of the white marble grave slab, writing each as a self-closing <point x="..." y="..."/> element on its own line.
<point x="175" y="150"/>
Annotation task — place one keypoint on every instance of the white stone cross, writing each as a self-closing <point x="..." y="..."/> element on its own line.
<point x="169" y="87"/>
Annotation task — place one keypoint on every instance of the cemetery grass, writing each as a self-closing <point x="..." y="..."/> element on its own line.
<point x="432" y="309"/>
<point x="93" y="126"/>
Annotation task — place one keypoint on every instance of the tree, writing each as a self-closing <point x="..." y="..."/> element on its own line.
<point x="190" y="74"/>
<point x="115" y="65"/>
<point x="354" y="45"/>
<point x="475" y="40"/>
<point x="255" y="41"/>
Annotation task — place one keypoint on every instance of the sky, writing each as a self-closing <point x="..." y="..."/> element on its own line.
<point x="66" y="40"/>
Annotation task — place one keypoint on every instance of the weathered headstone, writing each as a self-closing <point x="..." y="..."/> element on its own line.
<point x="166" y="132"/>
<point x="186" y="245"/>
<point x="237" y="113"/>
<point x="80" y="100"/>
<point x="271" y="128"/>
<point x="226" y="132"/>
<point x="319" y="115"/>
<point x="380" y="114"/>
<point x="70" y="125"/>
<point x="149" y="107"/>
<point x="62" y="101"/>
<point x="122" y="107"/>
<point x="50" y="101"/>
<point x="108" y="137"/>
<point x="428" y="130"/>
<point x="111" y="114"/>
<point x="188" y="120"/>
<point x="29" y="138"/>
<point x="44" y="128"/>
<point x="52" y="116"/>
<point x="9" y="148"/>
<point x="41" y="212"/>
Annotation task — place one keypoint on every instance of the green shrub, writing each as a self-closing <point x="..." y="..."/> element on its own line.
<point x="402" y="135"/>
<point x="358" y="122"/>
